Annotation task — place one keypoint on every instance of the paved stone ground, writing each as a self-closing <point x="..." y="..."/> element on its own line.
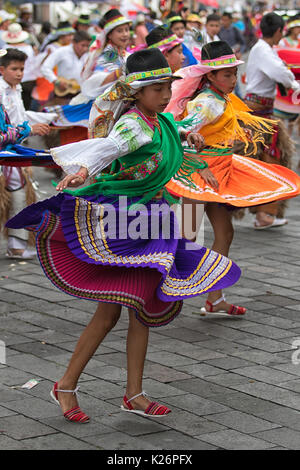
<point x="230" y="382"/>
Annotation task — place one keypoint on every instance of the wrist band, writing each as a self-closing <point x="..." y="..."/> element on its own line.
<point x="79" y="173"/>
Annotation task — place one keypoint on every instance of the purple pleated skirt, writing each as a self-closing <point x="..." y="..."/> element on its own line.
<point x="96" y="248"/>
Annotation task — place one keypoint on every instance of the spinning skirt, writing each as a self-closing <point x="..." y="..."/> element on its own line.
<point x="285" y="106"/>
<point x="243" y="181"/>
<point x="68" y="115"/>
<point x="17" y="155"/>
<point x="95" y="248"/>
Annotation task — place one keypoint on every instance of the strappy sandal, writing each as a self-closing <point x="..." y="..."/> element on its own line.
<point x="277" y="222"/>
<point x="75" y="415"/>
<point x="154" y="410"/>
<point x="234" y="310"/>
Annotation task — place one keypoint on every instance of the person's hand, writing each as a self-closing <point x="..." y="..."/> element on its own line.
<point x="196" y="140"/>
<point x="62" y="86"/>
<point x="158" y="195"/>
<point x="209" y="178"/>
<point x="40" y="129"/>
<point x="249" y="134"/>
<point x="70" y="181"/>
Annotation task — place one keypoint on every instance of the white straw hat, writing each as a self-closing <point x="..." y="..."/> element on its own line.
<point x="4" y="16"/>
<point x="14" y="34"/>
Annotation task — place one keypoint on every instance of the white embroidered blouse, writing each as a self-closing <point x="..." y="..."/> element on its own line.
<point x="205" y="109"/>
<point x="129" y="133"/>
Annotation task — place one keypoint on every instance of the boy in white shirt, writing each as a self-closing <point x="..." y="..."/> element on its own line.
<point x="265" y="68"/>
<point x="212" y="28"/>
<point x="264" y="71"/>
<point x="69" y="61"/>
<point x="17" y="179"/>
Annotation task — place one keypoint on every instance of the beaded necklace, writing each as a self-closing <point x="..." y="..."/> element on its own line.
<point x="152" y="120"/>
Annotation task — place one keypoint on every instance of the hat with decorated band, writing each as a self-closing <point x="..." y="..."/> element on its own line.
<point x="64" y="28"/>
<point x="222" y="62"/>
<point x="84" y="19"/>
<point x="173" y="17"/>
<point x="293" y="23"/>
<point x="146" y="67"/>
<point x="168" y="43"/>
<point x="112" y="19"/>
<point x="163" y="39"/>
<point x="194" y="18"/>
<point x="214" y="56"/>
<point x="143" y="68"/>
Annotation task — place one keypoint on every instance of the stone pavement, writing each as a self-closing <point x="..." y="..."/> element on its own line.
<point x="231" y="382"/>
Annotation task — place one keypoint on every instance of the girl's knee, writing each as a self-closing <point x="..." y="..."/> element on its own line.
<point x="110" y="322"/>
<point x="224" y="233"/>
<point x="108" y="316"/>
<point x="229" y="233"/>
<point x="134" y="322"/>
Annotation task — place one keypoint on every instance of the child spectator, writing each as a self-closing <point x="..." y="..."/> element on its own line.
<point x="16" y="179"/>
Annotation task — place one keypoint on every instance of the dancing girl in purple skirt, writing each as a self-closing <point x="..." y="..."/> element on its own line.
<point x="116" y="240"/>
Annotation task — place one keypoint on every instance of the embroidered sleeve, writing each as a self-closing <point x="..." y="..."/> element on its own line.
<point x="108" y="61"/>
<point x="127" y="135"/>
<point x="8" y="133"/>
<point x="131" y="132"/>
<point x="204" y="109"/>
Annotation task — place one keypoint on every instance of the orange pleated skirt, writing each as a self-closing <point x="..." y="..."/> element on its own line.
<point x="243" y="181"/>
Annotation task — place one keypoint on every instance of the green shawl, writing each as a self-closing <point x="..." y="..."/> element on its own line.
<point x="172" y="163"/>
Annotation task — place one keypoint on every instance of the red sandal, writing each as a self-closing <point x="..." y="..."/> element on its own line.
<point x="234" y="310"/>
<point x="75" y="415"/>
<point x="154" y="410"/>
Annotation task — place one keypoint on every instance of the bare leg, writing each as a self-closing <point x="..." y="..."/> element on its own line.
<point x="220" y="219"/>
<point x="137" y="343"/>
<point x="266" y="213"/>
<point x="104" y="319"/>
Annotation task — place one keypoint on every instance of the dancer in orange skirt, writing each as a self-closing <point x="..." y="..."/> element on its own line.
<point x="204" y="102"/>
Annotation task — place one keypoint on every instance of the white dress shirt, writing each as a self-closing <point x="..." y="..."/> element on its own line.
<point x="207" y="39"/>
<point x="11" y="98"/>
<point x="68" y="64"/>
<point x="265" y="69"/>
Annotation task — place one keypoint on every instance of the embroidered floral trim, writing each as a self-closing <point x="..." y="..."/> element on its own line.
<point x="141" y="170"/>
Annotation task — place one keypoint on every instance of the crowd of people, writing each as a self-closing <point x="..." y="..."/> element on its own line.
<point x="39" y="42"/>
<point x="147" y="110"/>
<point x="48" y="69"/>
